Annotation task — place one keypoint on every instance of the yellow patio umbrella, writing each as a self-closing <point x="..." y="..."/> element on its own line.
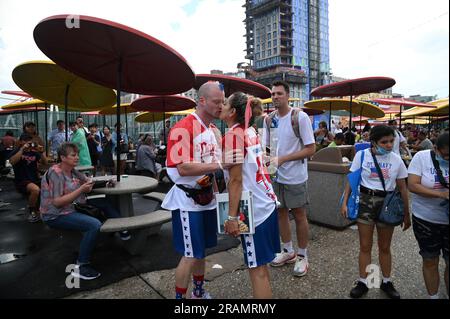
<point x="49" y="82"/>
<point x="360" y="108"/>
<point x="112" y="110"/>
<point x="184" y="112"/>
<point x="152" y="117"/>
<point x="440" y="110"/>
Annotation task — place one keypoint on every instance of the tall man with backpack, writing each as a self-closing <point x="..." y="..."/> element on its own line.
<point x="289" y="135"/>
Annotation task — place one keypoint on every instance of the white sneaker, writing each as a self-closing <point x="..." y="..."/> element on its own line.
<point x="301" y="266"/>
<point x="283" y="258"/>
<point x="206" y="295"/>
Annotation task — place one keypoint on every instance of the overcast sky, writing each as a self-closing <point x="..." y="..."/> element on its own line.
<point x="404" y="39"/>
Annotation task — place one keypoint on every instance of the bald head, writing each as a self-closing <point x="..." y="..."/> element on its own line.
<point x="211" y="98"/>
<point x="208" y="89"/>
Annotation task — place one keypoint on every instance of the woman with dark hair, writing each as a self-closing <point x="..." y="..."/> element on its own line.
<point x="251" y="175"/>
<point x="145" y="158"/>
<point x="372" y="194"/>
<point x="428" y="183"/>
<point x="323" y="136"/>
<point x="106" y="159"/>
<point x="61" y="187"/>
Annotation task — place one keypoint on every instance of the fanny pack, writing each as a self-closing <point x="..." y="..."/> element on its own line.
<point x="201" y="196"/>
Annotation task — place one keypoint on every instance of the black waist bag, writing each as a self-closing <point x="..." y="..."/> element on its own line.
<point x="202" y="196"/>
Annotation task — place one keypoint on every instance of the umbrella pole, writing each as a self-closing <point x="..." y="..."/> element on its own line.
<point x="36" y="119"/>
<point x="429" y="126"/>
<point x="154" y="129"/>
<point x="23" y="119"/>
<point x="350" y="124"/>
<point x="164" y="128"/>
<point x="126" y="121"/>
<point x="46" y="129"/>
<point x="119" y="78"/>
<point x="400" y="119"/>
<point x="329" y="119"/>
<point x="66" y="100"/>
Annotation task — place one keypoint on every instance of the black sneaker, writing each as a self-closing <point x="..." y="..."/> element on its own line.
<point x="389" y="289"/>
<point x="85" y="272"/>
<point x="125" y="235"/>
<point x="359" y="290"/>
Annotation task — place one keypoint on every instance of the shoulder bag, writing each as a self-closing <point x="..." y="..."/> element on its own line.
<point x="392" y="212"/>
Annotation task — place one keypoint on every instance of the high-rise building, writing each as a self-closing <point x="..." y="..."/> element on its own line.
<point x="288" y="40"/>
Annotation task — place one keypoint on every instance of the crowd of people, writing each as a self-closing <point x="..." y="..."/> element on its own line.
<point x="198" y="156"/>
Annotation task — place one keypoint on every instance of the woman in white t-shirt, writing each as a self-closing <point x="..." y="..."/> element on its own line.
<point x="251" y="175"/>
<point x="430" y="210"/>
<point x="372" y="196"/>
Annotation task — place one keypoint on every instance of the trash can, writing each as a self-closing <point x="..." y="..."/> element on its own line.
<point x="327" y="175"/>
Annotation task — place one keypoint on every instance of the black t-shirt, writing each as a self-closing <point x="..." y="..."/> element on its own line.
<point x="92" y="145"/>
<point x="27" y="168"/>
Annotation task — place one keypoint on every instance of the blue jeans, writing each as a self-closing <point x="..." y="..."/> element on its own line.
<point x="88" y="225"/>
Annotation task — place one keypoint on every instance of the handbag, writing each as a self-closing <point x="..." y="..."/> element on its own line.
<point x="392" y="211"/>
<point x="201" y="196"/>
<point x="90" y="210"/>
<point x="354" y="179"/>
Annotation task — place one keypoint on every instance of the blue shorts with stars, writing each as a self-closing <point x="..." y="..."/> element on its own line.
<point x="193" y="232"/>
<point x="261" y="247"/>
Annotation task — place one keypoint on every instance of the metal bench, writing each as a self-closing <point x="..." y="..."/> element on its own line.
<point x="159" y="197"/>
<point x="141" y="226"/>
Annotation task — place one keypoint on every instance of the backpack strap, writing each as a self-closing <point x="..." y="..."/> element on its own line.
<point x="296" y="127"/>
<point x="438" y="170"/>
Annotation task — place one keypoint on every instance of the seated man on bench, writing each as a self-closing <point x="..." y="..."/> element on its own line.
<point x="63" y="185"/>
<point x="25" y="159"/>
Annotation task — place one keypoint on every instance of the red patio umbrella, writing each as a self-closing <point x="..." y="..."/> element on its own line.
<point x="163" y="104"/>
<point x="354" y="87"/>
<point x="115" y="56"/>
<point x="234" y="84"/>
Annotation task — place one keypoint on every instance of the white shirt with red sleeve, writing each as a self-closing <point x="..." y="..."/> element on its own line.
<point x="255" y="177"/>
<point x="190" y="141"/>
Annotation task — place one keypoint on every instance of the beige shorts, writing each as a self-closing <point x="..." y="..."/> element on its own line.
<point x="291" y="196"/>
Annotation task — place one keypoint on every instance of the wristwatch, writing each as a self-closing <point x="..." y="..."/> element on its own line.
<point x="233" y="218"/>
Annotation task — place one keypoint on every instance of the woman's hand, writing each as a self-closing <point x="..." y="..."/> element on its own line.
<point x="406" y="221"/>
<point x="87" y="187"/>
<point x="232" y="228"/>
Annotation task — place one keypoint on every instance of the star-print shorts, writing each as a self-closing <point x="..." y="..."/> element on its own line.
<point x="261" y="247"/>
<point x="193" y="232"/>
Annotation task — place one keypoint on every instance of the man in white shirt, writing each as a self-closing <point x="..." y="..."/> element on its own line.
<point x="400" y="140"/>
<point x="290" y="158"/>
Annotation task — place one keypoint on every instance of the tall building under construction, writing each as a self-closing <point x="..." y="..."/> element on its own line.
<point x="288" y="40"/>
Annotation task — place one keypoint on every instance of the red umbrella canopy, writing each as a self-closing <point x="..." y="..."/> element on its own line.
<point x="354" y="87"/>
<point x="18" y="93"/>
<point x="234" y="84"/>
<point x="95" y="49"/>
<point x="163" y="103"/>
<point x="402" y="102"/>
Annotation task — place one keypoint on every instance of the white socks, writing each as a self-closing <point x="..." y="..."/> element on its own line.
<point x="386" y="280"/>
<point x="288" y="247"/>
<point x="302" y="252"/>
<point x="436" y="296"/>
<point x="363" y="280"/>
